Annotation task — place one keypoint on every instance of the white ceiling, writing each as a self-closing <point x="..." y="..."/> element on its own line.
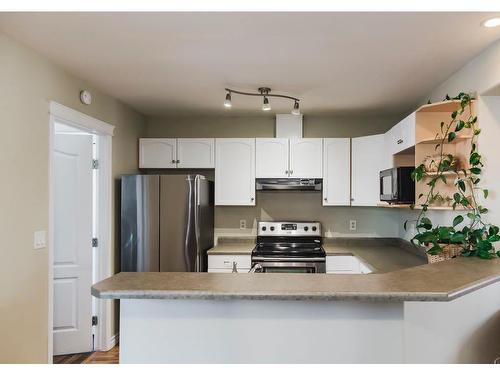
<point x="179" y="63"/>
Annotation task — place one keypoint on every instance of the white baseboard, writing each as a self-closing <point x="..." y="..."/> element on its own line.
<point x="113" y="341"/>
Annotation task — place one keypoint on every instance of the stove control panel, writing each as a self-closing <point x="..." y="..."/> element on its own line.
<point x="287" y="228"/>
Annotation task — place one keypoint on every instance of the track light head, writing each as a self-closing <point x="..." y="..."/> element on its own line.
<point x="296" y="109"/>
<point x="265" y="105"/>
<point x="227" y="102"/>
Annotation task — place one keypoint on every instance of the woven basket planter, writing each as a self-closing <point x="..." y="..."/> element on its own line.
<point x="450" y="251"/>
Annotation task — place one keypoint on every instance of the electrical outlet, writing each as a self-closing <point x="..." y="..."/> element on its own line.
<point x="39" y="240"/>
<point x="352" y="224"/>
<point x="243" y="224"/>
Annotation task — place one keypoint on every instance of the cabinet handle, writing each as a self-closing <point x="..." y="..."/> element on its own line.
<point x="173" y="161"/>
<point x="291" y="172"/>
<point x="400" y="141"/>
<point x="252" y="199"/>
<point x="235" y="267"/>
<point x="326" y="199"/>
<point x="177" y="161"/>
<point x="286" y="172"/>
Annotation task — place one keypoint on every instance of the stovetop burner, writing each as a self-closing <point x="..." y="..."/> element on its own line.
<point x="289" y="240"/>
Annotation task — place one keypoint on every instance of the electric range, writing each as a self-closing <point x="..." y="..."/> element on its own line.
<point x="289" y="247"/>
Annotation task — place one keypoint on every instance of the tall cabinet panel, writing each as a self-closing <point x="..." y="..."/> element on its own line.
<point x="235" y="171"/>
<point x="271" y="159"/>
<point x="306" y="157"/>
<point x="157" y="153"/>
<point x="337" y="172"/>
<point x="368" y="159"/>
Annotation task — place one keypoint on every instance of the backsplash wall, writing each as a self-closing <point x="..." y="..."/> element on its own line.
<point x="306" y="206"/>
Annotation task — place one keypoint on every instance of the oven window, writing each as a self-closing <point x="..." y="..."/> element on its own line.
<point x="387" y="185"/>
<point x="289" y="270"/>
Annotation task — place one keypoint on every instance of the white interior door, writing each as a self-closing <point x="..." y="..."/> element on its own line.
<point x="72" y="325"/>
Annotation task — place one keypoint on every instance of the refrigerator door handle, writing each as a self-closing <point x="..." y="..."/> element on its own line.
<point x="197" y="222"/>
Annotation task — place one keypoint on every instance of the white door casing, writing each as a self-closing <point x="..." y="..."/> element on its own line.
<point x="271" y="157"/>
<point x="306" y="157"/>
<point x="235" y="171"/>
<point x="72" y="261"/>
<point x="157" y="153"/>
<point x="195" y="152"/>
<point x="337" y="172"/>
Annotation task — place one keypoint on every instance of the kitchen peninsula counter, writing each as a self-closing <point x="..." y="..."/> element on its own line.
<point x="443" y="281"/>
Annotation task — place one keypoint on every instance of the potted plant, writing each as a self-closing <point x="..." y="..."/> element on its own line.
<point x="468" y="234"/>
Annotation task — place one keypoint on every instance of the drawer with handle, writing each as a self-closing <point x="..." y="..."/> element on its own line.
<point x="226" y="261"/>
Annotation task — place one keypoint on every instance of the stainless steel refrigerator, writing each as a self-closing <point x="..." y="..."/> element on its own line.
<point x="167" y="223"/>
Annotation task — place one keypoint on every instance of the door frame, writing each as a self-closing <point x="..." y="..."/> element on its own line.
<point x="104" y="338"/>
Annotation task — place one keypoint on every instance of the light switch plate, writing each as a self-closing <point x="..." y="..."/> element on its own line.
<point x="39" y="240"/>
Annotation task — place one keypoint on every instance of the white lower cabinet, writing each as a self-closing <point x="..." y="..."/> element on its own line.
<point x="346" y="264"/>
<point x="235" y="171"/>
<point x="337" y="172"/>
<point x="224" y="263"/>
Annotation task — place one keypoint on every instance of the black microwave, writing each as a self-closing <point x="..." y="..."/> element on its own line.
<point x="397" y="186"/>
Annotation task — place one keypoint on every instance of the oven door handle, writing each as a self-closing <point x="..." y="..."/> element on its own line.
<point x="267" y="259"/>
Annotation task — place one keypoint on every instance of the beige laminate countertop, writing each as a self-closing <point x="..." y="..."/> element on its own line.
<point x="233" y="245"/>
<point x="395" y="279"/>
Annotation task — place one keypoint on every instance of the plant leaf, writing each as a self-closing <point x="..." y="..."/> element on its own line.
<point x="451" y="136"/>
<point x="457" y="220"/>
<point x="485" y="193"/>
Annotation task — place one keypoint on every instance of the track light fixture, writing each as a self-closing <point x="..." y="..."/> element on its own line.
<point x="227" y="102"/>
<point x="265" y="93"/>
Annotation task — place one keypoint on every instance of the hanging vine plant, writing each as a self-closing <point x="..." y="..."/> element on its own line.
<point x="469" y="231"/>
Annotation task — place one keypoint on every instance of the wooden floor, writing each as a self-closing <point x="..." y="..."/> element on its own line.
<point x="110" y="357"/>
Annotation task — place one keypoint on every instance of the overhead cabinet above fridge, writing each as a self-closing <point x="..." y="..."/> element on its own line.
<point x="176" y="153"/>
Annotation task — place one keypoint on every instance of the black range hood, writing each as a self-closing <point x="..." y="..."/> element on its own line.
<point x="293" y="184"/>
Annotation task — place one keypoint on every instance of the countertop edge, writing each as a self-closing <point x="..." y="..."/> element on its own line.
<point x="314" y="296"/>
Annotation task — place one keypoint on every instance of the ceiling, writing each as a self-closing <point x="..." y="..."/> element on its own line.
<point x="179" y="63"/>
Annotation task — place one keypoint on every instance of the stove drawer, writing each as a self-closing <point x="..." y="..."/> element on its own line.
<point x="226" y="261"/>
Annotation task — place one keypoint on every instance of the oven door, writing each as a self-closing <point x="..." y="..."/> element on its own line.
<point x="291" y="266"/>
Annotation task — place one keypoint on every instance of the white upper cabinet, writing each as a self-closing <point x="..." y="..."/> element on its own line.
<point x="157" y="153"/>
<point x="402" y="135"/>
<point x="306" y="158"/>
<point x="235" y="171"/>
<point x="176" y="153"/>
<point x="271" y="159"/>
<point x="195" y="153"/>
<point x="368" y="159"/>
<point x="337" y="172"/>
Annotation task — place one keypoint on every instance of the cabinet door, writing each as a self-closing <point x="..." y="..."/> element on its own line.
<point x="337" y="172"/>
<point x="306" y="157"/>
<point x="271" y="157"/>
<point x="196" y="153"/>
<point x="157" y="153"/>
<point x="403" y="134"/>
<point x="368" y="160"/>
<point x="235" y="171"/>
